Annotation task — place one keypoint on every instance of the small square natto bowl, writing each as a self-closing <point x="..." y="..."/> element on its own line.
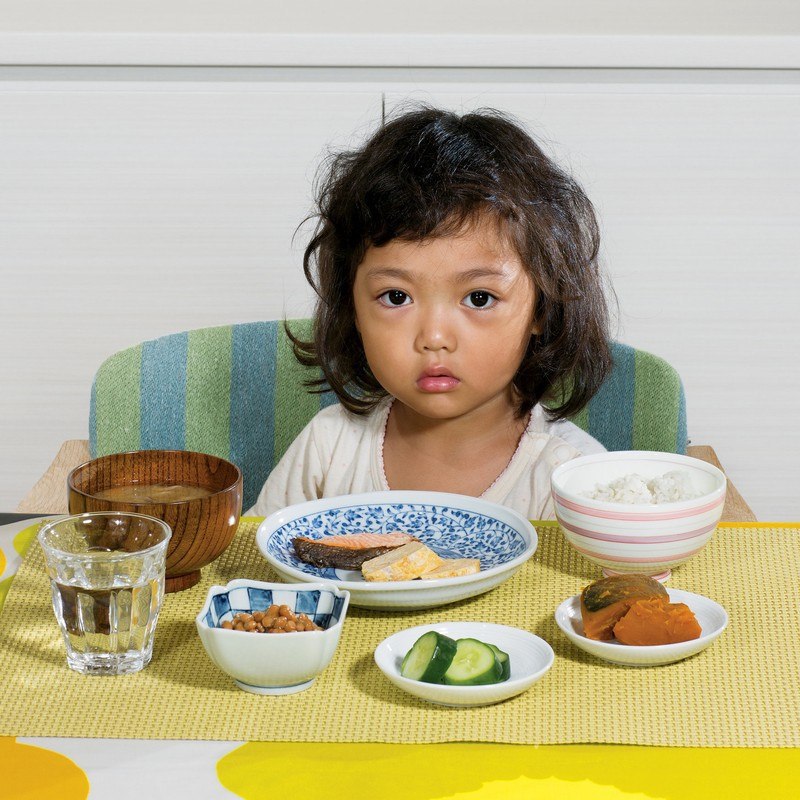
<point x="279" y="663"/>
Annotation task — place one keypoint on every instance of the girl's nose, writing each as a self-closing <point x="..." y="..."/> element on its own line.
<point x="435" y="333"/>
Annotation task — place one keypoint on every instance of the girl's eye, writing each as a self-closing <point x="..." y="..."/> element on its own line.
<point x="394" y="297"/>
<point x="480" y="299"/>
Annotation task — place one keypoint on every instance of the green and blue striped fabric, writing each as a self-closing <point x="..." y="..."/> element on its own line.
<point x="237" y="392"/>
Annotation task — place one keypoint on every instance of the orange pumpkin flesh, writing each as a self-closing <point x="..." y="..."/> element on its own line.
<point x="655" y="621"/>
<point x="605" y="602"/>
<point x="635" y="609"/>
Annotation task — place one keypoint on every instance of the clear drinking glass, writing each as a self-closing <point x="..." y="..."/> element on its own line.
<point x="107" y="577"/>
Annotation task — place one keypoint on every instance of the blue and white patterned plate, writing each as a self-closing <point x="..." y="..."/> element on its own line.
<point x="454" y="526"/>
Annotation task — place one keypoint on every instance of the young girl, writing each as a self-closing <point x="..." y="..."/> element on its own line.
<point x="458" y="288"/>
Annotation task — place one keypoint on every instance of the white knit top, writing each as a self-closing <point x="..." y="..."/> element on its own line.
<point x="342" y="453"/>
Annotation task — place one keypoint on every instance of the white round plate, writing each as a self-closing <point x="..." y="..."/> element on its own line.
<point x="712" y="617"/>
<point x="530" y="658"/>
<point x="454" y="526"/>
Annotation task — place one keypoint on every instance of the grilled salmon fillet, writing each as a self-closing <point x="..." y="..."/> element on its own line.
<point x="348" y="551"/>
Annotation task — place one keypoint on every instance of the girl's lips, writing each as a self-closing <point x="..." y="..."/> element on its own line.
<point x="437" y="383"/>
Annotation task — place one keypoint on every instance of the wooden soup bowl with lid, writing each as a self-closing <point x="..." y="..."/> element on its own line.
<point x="202" y="526"/>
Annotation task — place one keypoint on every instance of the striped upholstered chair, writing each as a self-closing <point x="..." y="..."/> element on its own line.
<point x="237" y="392"/>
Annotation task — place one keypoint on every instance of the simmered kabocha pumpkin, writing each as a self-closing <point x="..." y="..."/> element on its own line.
<point x="657" y="621"/>
<point x="605" y="602"/>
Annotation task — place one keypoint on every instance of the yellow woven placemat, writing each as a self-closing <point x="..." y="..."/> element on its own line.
<point x="741" y="692"/>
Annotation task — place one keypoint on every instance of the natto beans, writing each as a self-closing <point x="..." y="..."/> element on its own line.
<point x="276" y="619"/>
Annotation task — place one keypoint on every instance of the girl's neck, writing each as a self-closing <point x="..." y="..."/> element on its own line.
<point x="464" y="455"/>
<point x="472" y="431"/>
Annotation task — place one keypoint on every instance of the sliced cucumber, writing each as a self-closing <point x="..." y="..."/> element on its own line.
<point x="474" y="663"/>
<point x="429" y="658"/>
<point x="504" y="660"/>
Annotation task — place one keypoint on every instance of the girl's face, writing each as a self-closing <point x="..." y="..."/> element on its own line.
<point x="445" y="321"/>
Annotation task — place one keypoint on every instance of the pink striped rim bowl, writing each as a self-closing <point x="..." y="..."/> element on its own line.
<point x="647" y="538"/>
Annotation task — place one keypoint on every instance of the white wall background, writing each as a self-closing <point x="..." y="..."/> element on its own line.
<point x="141" y="201"/>
<point x="682" y="17"/>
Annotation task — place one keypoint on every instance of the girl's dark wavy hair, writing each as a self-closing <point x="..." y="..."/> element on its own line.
<point x="428" y="173"/>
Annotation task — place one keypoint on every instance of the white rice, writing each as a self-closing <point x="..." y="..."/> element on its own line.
<point x="634" y="489"/>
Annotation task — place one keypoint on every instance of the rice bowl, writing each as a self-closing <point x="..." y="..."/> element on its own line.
<point x="647" y="538"/>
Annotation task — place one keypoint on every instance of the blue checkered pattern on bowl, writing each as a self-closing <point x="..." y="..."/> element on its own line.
<point x="450" y="532"/>
<point x="323" y="607"/>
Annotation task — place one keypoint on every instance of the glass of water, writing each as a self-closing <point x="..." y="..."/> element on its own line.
<point x="107" y="578"/>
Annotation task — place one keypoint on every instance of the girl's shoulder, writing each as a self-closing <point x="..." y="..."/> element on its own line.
<point x="563" y="431"/>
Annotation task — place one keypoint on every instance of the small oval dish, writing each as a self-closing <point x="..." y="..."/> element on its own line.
<point x="281" y="663"/>
<point x="712" y="617"/>
<point x="530" y="658"/>
<point x="454" y="526"/>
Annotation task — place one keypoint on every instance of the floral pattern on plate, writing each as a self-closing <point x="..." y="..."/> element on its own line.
<point x="450" y="532"/>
